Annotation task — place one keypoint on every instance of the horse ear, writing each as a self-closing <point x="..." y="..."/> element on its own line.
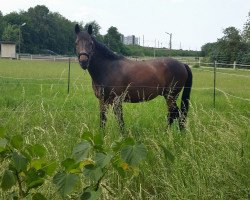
<point x="77" y="29"/>
<point x="90" y="29"/>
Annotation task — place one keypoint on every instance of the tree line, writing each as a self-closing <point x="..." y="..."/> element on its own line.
<point x="233" y="46"/>
<point x="49" y="32"/>
<point x="44" y="30"/>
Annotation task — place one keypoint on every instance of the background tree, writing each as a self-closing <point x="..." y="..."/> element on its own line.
<point x="231" y="47"/>
<point x="11" y="33"/>
<point x="246" y="30"/>
<point x="113" y="40"/>
<point x="246" y="39"/>
<point x="96" y="30"/>
<point x="47" y="32"/>
<point x="1" y="25"/>
<point x="209" y="50"/>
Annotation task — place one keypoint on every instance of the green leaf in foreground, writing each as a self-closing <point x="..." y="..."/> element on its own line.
<point x="20" y="162"/>
<point x="69" y="164"/>
<point x="81" y="151"/>
<point x="39" y="150"/>
<point x="87" y="136"/>
<point x="91" y="194"/>
<point x="8" y="180"/>
<point x="17" y="141"/>
<point x="66" y="182"/>
<point x="93" y="172"/>
<point x="134" y="154"/>
<point x="102" y="159"/>
<point x="117" y="145"/>
<point x="3" y="143"/>
<point x="2" y="132"/>
<point x="36" y="183"/>
<point x="50" y="168"/>
<point x="38" y="196"/>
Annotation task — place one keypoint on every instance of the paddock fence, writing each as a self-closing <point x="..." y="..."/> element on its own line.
<point x="215" y="69"/>
<point x="214" y="87"/>
<point x="46" y="57"/>
<point x="193" y="61"/>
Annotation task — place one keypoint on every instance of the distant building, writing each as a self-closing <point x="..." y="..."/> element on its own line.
<point x="8" y="49"/>
<point x="130" y="40"/>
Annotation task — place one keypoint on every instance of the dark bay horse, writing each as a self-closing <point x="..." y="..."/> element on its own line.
<point x="116" y="79"/>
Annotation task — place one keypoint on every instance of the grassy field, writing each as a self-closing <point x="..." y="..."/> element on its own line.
<point x="212" y="157"/>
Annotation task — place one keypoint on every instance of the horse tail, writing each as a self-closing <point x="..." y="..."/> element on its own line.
<point x="186" y="95"/>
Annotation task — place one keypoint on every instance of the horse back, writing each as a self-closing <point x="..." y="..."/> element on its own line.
<point x="156" y="72"/>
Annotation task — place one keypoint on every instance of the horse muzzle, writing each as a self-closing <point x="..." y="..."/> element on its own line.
<point x="83" y="59"/>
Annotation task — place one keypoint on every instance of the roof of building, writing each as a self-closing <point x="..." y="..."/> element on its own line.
<point x="7" y="42"/>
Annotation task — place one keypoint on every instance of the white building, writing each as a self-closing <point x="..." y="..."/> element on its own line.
<point x="130" y="40"/>
<point x="8" y="49"/>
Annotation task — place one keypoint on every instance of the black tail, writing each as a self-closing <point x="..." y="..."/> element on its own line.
<point x="186" y="94"/>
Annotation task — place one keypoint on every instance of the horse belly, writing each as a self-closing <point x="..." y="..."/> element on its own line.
<point x="140" y="95"/>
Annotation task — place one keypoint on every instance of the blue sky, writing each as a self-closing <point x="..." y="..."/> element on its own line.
<point x="192" y="22"/>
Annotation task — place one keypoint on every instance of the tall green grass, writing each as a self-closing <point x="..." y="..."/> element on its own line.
<point x="210" y="160"/>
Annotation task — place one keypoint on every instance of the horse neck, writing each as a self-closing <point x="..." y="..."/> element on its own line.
<point x="98" y="67"/>
<point x="100" y="63"/>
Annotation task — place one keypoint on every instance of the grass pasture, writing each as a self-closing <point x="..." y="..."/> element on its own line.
<point x="211" y="158"/>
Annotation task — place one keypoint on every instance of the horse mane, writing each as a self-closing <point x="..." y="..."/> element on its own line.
<point x="105" y="51"/>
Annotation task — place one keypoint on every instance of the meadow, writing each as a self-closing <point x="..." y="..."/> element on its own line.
<point x="210" y="159"/>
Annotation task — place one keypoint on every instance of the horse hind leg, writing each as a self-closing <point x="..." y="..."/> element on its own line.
<point x="173" y="110"/>
<point x="103" y="111"/>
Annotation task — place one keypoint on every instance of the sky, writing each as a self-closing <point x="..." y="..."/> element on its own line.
<point x="192" y="23"/>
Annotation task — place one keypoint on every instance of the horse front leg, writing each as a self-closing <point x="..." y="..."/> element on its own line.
<point x="103" y="112"/>
<point x="117" y="107"/>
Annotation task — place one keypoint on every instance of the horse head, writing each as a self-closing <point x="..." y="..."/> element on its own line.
<point x="84" y="46"/>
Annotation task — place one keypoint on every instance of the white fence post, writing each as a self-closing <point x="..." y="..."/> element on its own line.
<point x="215" y="66"/>
<point x="234" y="65"/>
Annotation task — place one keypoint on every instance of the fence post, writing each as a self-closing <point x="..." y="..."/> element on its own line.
<point x="234" y="64"/>
<point x="199" y="62"/>
<point x="215" y="66"/>
<point x="69" y="77"/>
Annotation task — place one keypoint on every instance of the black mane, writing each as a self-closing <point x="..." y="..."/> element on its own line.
<point x="105" y="51"/>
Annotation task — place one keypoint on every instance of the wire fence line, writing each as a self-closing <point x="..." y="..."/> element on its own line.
<point x="77" y="110"/>
<point x="89" y="85"/>
<point x="230" y="74"/>
<point x="86" y="84"/>
<point x="28" y="78"/>
<point x="219" y="64"/>
<point x="187" y="60"/>
<point x="225" y="93"/>
<point x="66" y="78"/>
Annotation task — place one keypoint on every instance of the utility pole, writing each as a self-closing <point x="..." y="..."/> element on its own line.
<point x="170" y="41"/>
<point x="19" y="46"/>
